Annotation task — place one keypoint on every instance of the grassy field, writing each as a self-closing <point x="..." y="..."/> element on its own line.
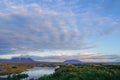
<point x="85" y="72"/>
<point x="14" y="68"/>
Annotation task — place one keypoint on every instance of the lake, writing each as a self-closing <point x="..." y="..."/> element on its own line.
<point x="36" y="72"/>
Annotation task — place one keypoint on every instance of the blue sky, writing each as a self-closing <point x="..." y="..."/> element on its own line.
<point x="57" y="30"/>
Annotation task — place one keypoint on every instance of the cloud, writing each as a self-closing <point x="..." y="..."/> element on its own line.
<point x="83" y="56"/>
<point x="56" y="24"/>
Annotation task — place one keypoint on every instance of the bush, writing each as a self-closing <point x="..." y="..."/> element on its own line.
<point x="86" y="72"/>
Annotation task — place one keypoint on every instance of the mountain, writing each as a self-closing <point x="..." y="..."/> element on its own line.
<point x="17" y="60"/>
<point x="73" y="61"/>
<point x="22" y="60"/>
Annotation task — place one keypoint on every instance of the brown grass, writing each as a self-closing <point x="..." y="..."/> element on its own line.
<point x="14" y="68"/>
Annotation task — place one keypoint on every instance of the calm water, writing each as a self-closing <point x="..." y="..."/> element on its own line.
<point x="37" y="72"/>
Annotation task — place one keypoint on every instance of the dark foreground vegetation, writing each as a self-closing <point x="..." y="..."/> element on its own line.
<point x="85" y="72"/>
<point x="15" y="77"/>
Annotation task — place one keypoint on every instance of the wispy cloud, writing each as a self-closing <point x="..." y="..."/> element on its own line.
<point x="51" y="24"/>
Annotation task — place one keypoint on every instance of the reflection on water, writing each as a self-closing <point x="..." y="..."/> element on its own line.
<point x="36" y="72"/>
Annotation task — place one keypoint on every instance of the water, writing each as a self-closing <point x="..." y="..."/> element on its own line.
<point x="36" y="72"/>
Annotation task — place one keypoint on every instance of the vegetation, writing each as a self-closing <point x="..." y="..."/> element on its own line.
<point x="14" y="68"/>
<point x="17" y="77"/>
<point x="66" y="71"/>
<point x="85" y="72"/>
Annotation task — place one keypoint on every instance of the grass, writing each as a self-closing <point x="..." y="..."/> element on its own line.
<point x="85" y="72"/>
<point x="14" y="68"/>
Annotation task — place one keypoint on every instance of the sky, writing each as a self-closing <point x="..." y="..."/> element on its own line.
<point x="57" y="30"/>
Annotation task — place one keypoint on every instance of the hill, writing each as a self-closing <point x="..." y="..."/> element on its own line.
<point x="73" y="61"/>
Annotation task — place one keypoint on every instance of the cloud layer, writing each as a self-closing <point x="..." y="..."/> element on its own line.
<point x="29" y="25"/>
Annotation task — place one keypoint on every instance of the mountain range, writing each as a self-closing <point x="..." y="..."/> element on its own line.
<point x="30" y="60"/>
<point x="17" y="60"/>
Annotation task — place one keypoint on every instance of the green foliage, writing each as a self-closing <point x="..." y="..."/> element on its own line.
<point x="86" y="72"/>
<point x="17" y="77"/>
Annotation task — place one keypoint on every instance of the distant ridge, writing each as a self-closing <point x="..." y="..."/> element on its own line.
<point x="73" y="61"/>
<point x="17" y="60"/>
